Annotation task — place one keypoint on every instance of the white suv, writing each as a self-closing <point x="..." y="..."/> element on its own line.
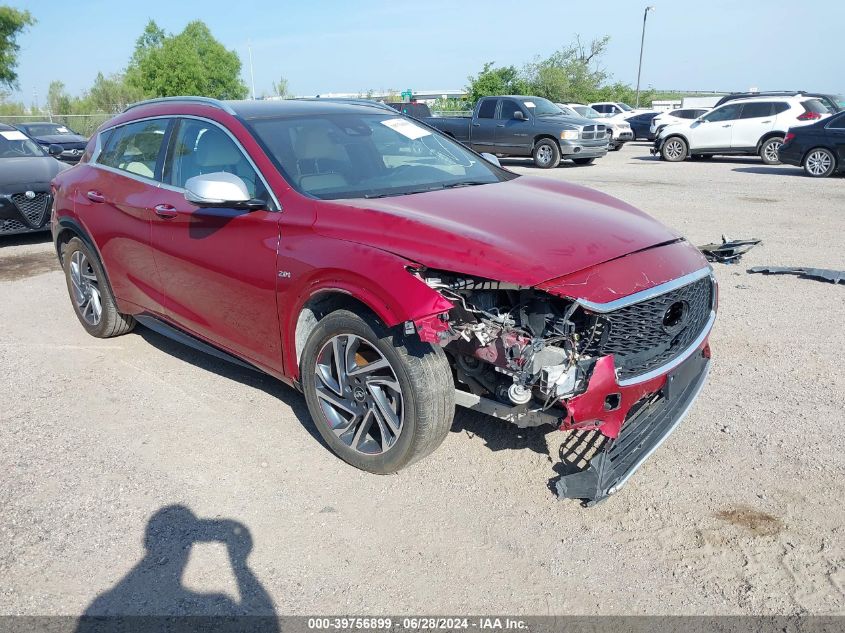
<point x="744" y="126"/>
<point x="681" y="115"/>
<point x="614" y="108"/>
<point x="620" y="130"/>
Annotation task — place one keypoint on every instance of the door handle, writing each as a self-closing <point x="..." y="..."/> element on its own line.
<point x="500" y="125"/>
<point x="165" y="211"/>
<point x="769" y="121"/>
<point x="728" y="125"/>
<point x="95" y="196"/>
<point x="476" y="124"/>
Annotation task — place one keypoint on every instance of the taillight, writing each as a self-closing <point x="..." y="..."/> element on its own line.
<point x="789" y="136"/>
<point x="809" y="116"/>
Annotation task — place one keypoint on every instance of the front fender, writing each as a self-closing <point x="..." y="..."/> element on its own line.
<point x="314" y="265"/>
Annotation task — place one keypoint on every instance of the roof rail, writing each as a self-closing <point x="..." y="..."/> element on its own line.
<point x="351" y="100"/>
<point x="214" y="103"/>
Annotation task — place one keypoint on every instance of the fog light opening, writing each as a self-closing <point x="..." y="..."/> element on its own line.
<point x="612" y="402"/>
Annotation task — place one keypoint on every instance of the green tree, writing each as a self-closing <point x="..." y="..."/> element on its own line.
<point x="495" y="81"/>
<point x="12" y="23"/>
<point x="281" y="88"/>
<point x="58" y="101"/>
<point x="572" y="73"/>
<point x="190" y="63"/>
<point x="112" y="94"/>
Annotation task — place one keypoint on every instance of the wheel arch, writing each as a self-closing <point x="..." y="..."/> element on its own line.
<point x="540" y="137"/>
<point x="769" y="135"/>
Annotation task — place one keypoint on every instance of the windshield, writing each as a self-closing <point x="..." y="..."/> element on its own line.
<point x="15" y="144"/>
<point x="369" y="156"/>
<point x="541" y="107"/>
<point x="587" y="112"/>
<point x="625" y="107"/>
<point x="46" y="129"/>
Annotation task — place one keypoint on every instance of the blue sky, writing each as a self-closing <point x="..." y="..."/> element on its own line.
<point x="325" y="46"/>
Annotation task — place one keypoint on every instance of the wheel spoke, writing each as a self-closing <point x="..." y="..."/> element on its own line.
<point x="360" y="370"/>
<point x="363" y="429"/>
<point x="384" y="409"/>
<point x="339" y="352"/>
<point x="386" y="435"/>
<point x="336" y="401"/>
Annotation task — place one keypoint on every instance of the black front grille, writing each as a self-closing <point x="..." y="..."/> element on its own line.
<point x="35" y="210"/>
<point x="646" y="335"/>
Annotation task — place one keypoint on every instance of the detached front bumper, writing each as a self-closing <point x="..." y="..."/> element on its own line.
<point x="645" y="428"/>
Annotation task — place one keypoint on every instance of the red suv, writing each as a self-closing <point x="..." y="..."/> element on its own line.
<point x="389" y="273"/>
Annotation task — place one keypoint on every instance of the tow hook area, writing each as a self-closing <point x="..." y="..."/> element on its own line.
<point x="605" y="404"/>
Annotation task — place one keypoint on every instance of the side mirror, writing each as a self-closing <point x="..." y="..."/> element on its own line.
<point x="55" y="150"/>
<point x="220" y="189"/>
<point x="490" y="158"/>
<point x="519" y="115"/>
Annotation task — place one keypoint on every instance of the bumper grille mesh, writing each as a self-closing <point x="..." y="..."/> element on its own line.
<point x="34" y="210"/>
<point x="651" y="333"/>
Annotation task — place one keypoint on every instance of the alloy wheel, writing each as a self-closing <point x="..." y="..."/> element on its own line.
<point x="818" y="163"/>
<point x="86" y="289"/>
<point x="544" y="154"/>
<point x="772" y="151"/>
<point x="674" y="149"/>
<point x="359" y="394"/>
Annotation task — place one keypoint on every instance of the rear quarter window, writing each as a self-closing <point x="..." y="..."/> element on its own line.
<point x="815" y="105"/>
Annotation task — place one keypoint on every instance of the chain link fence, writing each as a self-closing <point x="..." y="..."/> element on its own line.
<point x="84" y="124"/>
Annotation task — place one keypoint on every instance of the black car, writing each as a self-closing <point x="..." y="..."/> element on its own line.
<point x="25" y="174"/>
<point x="46" y="134"/>
<point x="819" y="147"/>
<point x="831" y="102"/>
<point x="414" y="109"/>
<point x="640" y="124"/>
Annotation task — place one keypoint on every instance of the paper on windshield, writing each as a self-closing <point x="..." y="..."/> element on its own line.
<point x="406" y="128"/>
<point x="62" y="130"/>
<point x="13" y="135"/>
<point x="529" y="104"/>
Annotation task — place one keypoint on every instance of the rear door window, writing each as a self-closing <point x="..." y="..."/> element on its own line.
<point x="756" y="110"/>
<point x="487" y="110"/>
<point x="135" y="148"/>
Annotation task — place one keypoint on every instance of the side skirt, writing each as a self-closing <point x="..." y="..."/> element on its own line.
<point x="160" y="327"/>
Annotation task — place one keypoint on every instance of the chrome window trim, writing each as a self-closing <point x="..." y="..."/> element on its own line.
<point x="644" y="295"/>
<point x="169" y="187"/>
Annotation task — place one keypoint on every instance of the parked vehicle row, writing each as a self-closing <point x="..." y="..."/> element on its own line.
<point x="619" y="130"/>
<point x="518" y="125"/>
<point x="26" y="170"/>
<point x="750" y="126"/>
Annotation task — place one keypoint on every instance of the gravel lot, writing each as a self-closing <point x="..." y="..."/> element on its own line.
<point x="740" y="511"/>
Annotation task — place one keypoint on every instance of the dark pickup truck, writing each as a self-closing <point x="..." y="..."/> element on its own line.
<point x="513" y="125"/>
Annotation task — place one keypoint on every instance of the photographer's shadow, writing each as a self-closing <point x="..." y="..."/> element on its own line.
<point x="154" y="586"/>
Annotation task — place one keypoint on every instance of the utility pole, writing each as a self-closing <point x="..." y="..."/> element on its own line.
<point x="642" y="42"/>
<point x="251" y="70"/>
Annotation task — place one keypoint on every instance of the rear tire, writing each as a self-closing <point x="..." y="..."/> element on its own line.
<point x="820" y="163"/>
<point x="769" y="150"/>
<point x="90" y="292"/>
<point x="380" y="419"/>
<point x="583" y="161"/>
<point x="546" y="154"/>
<point x="674" y="149"/>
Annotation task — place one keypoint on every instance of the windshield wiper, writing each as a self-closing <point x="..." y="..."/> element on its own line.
<point x="464" y="183"/>
<point x="392" y="194"/>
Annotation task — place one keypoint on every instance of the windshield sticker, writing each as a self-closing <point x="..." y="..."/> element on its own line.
<point x="62" y="130"/>
<point x="529" y="104"/>
<point x="406" y="128"/>
<point x="13" y="135"/>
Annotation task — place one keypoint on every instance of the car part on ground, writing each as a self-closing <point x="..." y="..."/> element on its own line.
<point x="822" y="274"/>
<point x="388" y="289"/>
<point x="728" y="251"/>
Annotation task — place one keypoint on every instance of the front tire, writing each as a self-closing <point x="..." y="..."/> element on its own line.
<point x="769" y="150"/>
<point x="583" y="161"/>
<point x="546" y="154"/>
<point x="674" y="149"/>
<point x="380" y="400"/>
<point x="820" y="163"/>
<point x="90" y="293"/>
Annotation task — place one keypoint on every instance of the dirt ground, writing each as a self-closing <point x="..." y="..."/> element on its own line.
<point x="150" y="478"/>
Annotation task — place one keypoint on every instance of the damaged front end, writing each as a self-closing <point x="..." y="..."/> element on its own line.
<point x="625" y="371"/>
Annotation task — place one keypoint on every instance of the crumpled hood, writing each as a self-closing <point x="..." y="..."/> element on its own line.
<point x="21" y="174"/>
<point x="524" y="231"/>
